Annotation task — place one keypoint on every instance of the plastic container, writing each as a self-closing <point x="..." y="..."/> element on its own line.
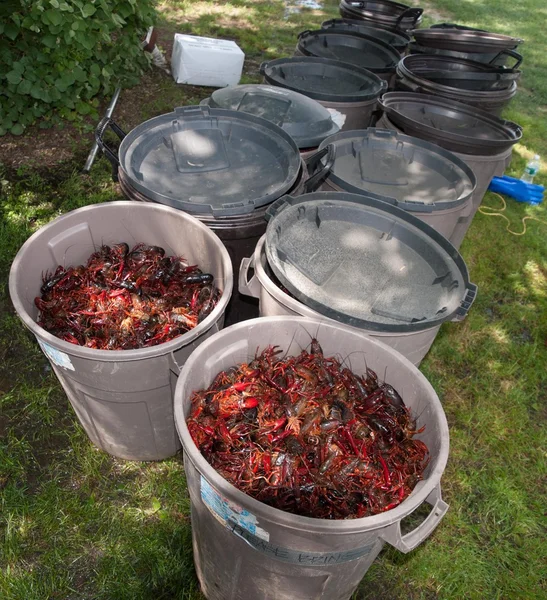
<point x="206" y="160"/>
<point x="409" y="79"/>
<point x="419" y="177"/>
<point x="465" y="40"/>
<point x="531" y="170"/>
<point x="245" y="549"/>
<point x="348" y="90"/>
<point x="123" y="398"/>
<point x="459" y="73"/>
<point x="454" y="126"/>
<point x="303" y="118"/>
<point x="354" y="48"/>
<point x="273" y="302"/>
<point x="395" y="257"/>
<point x="398" y="39"/>
<point x="384" y="13"/>
<point x="500" y="58"/>
<point x="483" y="166"/>
<point x="206" y="61"/>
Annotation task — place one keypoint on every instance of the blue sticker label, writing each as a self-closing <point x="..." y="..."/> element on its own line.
<point x="56" y="356"/>
<point x="228" y="513"/>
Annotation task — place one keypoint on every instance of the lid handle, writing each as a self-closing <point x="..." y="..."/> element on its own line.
<point x="189" y="111"/>
<point x="278" y="107"/>
<point x="304" y="33"/>
<point x="513" y="54"/>
<point x="279" y="205"/>
<point x="113" y="158"/>
<point x="466" y="303"/>
<point x="316" y="178"/>
<point x="198" y="150"/>
<point x="413" y="13"/>
<point x="263" y="67"/>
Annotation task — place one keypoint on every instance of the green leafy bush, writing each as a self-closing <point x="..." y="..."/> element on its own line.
<point x="56" y="56"/>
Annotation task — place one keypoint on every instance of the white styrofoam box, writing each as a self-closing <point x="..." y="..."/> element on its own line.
<point x="206" y="61"/>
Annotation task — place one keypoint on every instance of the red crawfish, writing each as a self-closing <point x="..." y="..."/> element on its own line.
<point x="307" y="435"/>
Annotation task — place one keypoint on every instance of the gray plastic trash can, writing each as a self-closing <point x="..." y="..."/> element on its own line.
<point x="244" y="549"/>
<point x="484" y="167"/>
<point x="349" y="91"/>
<point x="123" y="398"/>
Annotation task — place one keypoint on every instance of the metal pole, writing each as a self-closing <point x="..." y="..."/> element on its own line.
<point x="93" y="153"/>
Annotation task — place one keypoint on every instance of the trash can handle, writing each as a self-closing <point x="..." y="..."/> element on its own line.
<point x="99" y="135"/>
<point x="277" y="206"/>
<point x="414" y="13"/>
<point x="466" y="303"/>
<point x="246" y="286"/>
<point x="406" y="543"/>
<point x="513" y="54"/>
<point x="315" y="179"/>
<point x="304" y="33"/>
<point x="263" y="67"/>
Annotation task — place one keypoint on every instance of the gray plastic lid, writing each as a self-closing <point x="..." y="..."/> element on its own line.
<point x="366" y="263"/>
<point x="324" y="79"/>
<point x="304" y="119"/>
<point x="210" y="160"/>
<point x="416" y="175"/>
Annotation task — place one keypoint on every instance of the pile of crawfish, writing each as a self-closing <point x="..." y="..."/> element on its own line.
<point x="124" y="299"/>
<point x="306" y="435"/>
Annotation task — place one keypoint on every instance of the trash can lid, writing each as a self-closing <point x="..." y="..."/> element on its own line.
<point x="465" y="40"/>
<point x="411" y="173"/>
<point x="458" y="73"/>
<point x="366" y="263"/>
<point x="397" y="39"/>
<point x="455" y="126"/>
<point x="324" y="79"/>
<point x="210" y="160"/>
<point x="387" y="7"/>
<point x="350" y="47"/>
<point x="303" y="118"/>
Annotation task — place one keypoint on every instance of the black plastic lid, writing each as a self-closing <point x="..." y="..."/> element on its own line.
<point x="323" y="79"/>
<point x="387" y="7"/>
<point x="455" y="126"/>
<point x="494" y="58"/>
<point x="349" y="47"/>
<point x="416" y="175"/>
<point x="465" y="40"/>
<point x="366" y="263"/>
<point x="304" y="119"/>
<point x="458" y="72"/>
<point x="392" y="15"/>
<point x="210" y="160"/>
<point x="397" y="39"/>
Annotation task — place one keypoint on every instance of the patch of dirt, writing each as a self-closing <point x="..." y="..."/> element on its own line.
<point x="45" y="149"/>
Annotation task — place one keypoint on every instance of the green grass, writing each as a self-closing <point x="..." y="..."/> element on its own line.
<point x="79" y="524"/>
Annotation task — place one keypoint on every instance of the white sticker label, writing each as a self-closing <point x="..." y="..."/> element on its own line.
<point x="338" y="117"/>
<point x="228" y="513"/>
<point x="56" y="356"/>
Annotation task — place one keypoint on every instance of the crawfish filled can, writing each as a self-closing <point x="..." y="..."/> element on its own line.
<point x="244" y="548"/>
<point x="123" y="398"/>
